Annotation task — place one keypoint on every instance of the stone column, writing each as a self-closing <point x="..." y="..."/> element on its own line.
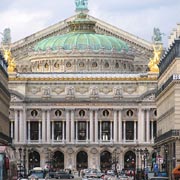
<point x="124" y="132"/>
<point x="141" y="124"/>
<point x="76" y="131"/>
<point x="48" y="126"/>
<point x="67" y="125"/>
<point x="39" y="137"/>
<point x="147" y="125"/>
<point x="21" y="127"/>
<point x="12" y="129"/>
<point x="72" y="126"/>
<point x="63" y="131"/>
<point x="25" y="125"/>
<point x="111" y="130"/>
<point x="91" y="126"/>
<point x="152" y="131"/>
<point x="120" y="126"/>
<point x="135" y="130"/>
<point x="100" y="131"/>
<point x="87" y="131"/>
<point x="16" y="129"/>
<point x="115" y="126"/>
<point x="29" y="131"/>
<point x="52" y="131"/>
<point x="43" y="126"/>
<point x="96" y="126"/>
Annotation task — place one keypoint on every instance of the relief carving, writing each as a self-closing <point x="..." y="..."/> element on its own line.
<point x="46" y="92"/>
<point x="58" y="90"/>
<point x="130" y="89"/>
<point x="34" y="90"/>
<point x="106" y="90"/>
<point x="82" y="90"/>
<point x="118" y="92"/>
<point x="94" y="92"/>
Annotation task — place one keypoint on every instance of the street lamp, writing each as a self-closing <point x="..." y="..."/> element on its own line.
<point x="144" y="153"/>
<point x="166" y="158"/>
<point x="20" y="156"/>
<point x="115" y="160"/>
<point x="24" y="160"/>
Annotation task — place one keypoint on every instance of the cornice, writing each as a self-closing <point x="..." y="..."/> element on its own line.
<point x="83" y="79"/>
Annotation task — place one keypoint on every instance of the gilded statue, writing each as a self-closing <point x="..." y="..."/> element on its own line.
<point x="154" y="61"/>
<point x="10" y="60"/>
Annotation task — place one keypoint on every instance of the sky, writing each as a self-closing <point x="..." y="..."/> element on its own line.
<point x="138" y="17"/>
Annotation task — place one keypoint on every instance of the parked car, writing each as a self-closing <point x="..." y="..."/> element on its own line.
<point x="111" y="173"/>
<point x="158" y="178"/>
<point x="63" y="175"/>
<point x="37" y="173"/>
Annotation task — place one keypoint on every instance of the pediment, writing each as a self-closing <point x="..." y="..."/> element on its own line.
<point x="101" y="28"/>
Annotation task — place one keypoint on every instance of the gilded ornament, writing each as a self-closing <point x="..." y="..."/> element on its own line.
<point x="10" y="60"/>
<point x="153" y="64"/>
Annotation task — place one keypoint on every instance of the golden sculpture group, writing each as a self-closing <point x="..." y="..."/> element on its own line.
<point x="10" y="60"/>
<point x="154" y="61"/>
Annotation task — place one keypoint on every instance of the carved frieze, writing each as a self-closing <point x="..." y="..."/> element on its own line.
<point x="58" y="90"/>
<point x="34" y="90"/>
<point x="105" y="90"/>
<point x="130" y="89"/>
<point x="46" y="91"/>
<point x="82" y="89"/>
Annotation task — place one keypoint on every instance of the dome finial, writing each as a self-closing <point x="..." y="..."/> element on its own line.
<point x="81" y="5"/>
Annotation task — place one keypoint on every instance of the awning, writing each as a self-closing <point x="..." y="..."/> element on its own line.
<point x="176" y="170"/>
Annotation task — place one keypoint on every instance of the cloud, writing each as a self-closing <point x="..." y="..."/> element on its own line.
<point x="23" y="23"/>
<point x="139" y="17"/>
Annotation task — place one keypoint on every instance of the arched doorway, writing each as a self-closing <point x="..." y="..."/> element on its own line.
<point x="34" y="159"/>
<point x="58" y="160"/>
<point x="81" y="160"/>
<point x="130" y="160"/>
<point x="105" y="160"/>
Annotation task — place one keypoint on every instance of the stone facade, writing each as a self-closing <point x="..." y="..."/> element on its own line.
<point x="167" y="97"/>
<point x="77" y="109"/>
<point x="4" y="102"/>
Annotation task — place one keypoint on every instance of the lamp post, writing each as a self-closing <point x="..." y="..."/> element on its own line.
<point x="115" y="160"/>
<point x="20" y="159"/>
<point x="24" y="160"/>
<point x="144" y="153"/>
<point x="166" y="158"/>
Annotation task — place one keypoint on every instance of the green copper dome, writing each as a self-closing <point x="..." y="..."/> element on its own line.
<point x="82" y="36"/>
<point x="81" y="41"/>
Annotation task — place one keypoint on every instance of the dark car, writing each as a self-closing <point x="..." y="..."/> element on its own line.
<point x="63" y="175"/>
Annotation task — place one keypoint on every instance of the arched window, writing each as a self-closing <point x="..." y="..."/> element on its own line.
<point x="106" y="113"/>
<point x="105" y="160"/>
<point x="129" y="113"/>
<point x="58" y="113"/>
<point x="58" y="160"/>
<point x="34" y="113"/>
<point x="129" y="160"/>
<point x="82" y="113"/>
<point x="34" y="159"/>
<point x="82" y="160"/>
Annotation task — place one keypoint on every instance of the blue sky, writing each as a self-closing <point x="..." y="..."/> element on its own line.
<point x="137" y="17"/>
